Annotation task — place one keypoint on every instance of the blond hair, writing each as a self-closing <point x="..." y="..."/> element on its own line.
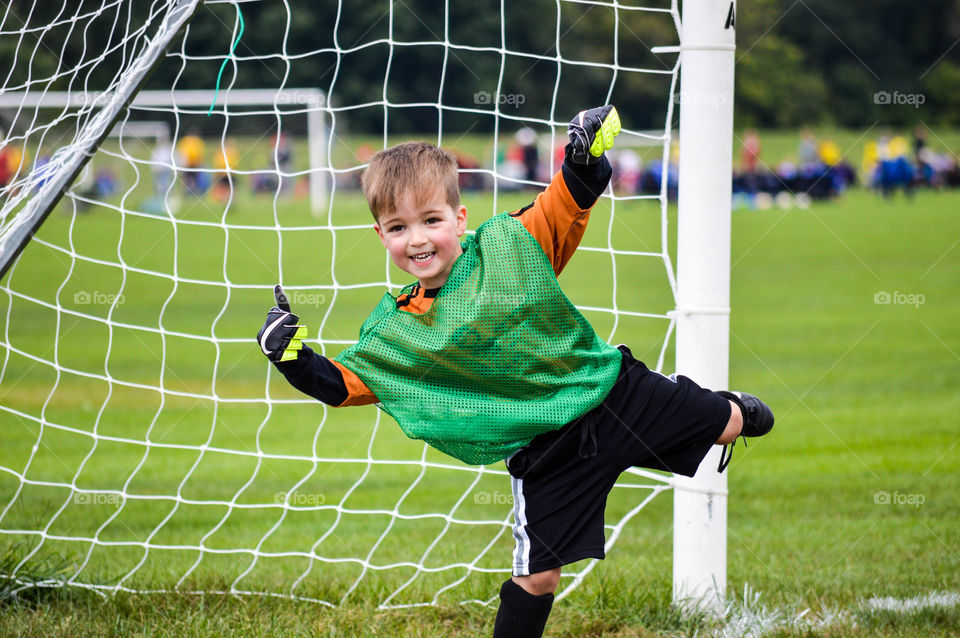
<point x="412" y="167"/>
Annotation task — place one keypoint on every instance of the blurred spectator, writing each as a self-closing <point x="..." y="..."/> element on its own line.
<point x="526" y="140"/>
<point x="161" y="166"/>
<point x="821" y="174"/>
<point x="105" y="183"/>
<point x="894" y="171"/>
<point x="949" y="170"/>
<point x="749" y="162"/>
<point x="919" y="140"/>
<point x="510" y="165"/>
<point x="652" y="179"/>
<point x="11" y="162"/>
<point x="193" y="151"/>
<point x="922" y="157"/>
<point x="869" y="163"/>
<point x="559" y="153"/>
<point x="95" y="184"/>
<point x="787" y="171"/>
<point x="161" y="169"/>
<point x="264" y="181"/>
<point x="520" y="162"/>
<point x="839" y="172"/>
<point x="829" y="153"/>
<point x="225" y="162"/>
<point x="5" y="173"/>
<point x="750" y="153"/>
<point x="889" y="167"/>
<point x="283" y="154"/>
<point x="470" y="177"/>
<point x="925" y="168"/>
<point x="808" y="147"/>
<point x="628" y="171"/>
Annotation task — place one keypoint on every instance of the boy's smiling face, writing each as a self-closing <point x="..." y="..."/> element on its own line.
<point x="423" y="237"/>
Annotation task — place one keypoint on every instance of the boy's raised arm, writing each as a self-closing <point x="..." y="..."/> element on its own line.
<point x="280" y="339"/>
<point x="558" y="217"/>
<point x="326" y="380"/>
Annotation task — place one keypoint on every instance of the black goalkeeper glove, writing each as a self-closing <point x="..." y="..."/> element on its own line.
<point x="591" y="133"/>
<point x="280" y="338"/>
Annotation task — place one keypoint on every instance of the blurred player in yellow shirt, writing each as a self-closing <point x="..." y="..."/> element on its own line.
<point x="193" y="151"/>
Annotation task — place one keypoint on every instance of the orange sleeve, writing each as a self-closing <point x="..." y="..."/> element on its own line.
<point x="556" y="222"/>
<point x="357" y="391"/>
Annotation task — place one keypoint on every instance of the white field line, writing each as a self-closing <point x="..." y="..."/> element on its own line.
<point x="749" y="618"/>
<point x="934" y="599"/>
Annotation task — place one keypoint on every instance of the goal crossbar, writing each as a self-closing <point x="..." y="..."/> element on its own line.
<point x="311" y="100"/>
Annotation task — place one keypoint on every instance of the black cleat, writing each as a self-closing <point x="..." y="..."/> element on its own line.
<point x="757" y="415"/>
<point x="757" y="420"/>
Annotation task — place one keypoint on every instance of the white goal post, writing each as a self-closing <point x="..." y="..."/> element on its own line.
<point x="698" y="289"/>
<point x="707" y="47"/>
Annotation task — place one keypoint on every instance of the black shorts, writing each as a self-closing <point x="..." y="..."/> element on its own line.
<point x="561" y="479"/>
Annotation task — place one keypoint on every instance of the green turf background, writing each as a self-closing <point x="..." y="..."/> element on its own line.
<point x="865" y="396"/>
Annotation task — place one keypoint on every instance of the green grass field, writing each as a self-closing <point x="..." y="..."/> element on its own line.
<point x="864" y="394"/>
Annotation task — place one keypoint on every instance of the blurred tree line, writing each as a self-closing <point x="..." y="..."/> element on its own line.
<point x="798" y="63"/>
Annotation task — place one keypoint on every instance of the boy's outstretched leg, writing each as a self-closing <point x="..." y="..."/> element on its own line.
<point x="734" y="426"/>
<point x="525" y="603"/>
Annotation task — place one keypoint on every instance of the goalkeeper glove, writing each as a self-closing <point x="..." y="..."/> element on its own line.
<point x="591" y="133"/>
<point x="280" y="338"/>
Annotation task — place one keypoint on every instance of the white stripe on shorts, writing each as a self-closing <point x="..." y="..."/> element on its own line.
<point x="521" y="551"/>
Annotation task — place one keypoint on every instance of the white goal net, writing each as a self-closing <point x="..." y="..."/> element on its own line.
<point x="146" y="441"/>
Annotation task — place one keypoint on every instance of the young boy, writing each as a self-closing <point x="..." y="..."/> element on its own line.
<point x="486" y="359"/>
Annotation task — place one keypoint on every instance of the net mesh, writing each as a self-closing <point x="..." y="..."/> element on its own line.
<point x="146" y="442"/>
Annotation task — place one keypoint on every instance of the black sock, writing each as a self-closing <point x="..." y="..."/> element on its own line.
<point x="521" y="614"/>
